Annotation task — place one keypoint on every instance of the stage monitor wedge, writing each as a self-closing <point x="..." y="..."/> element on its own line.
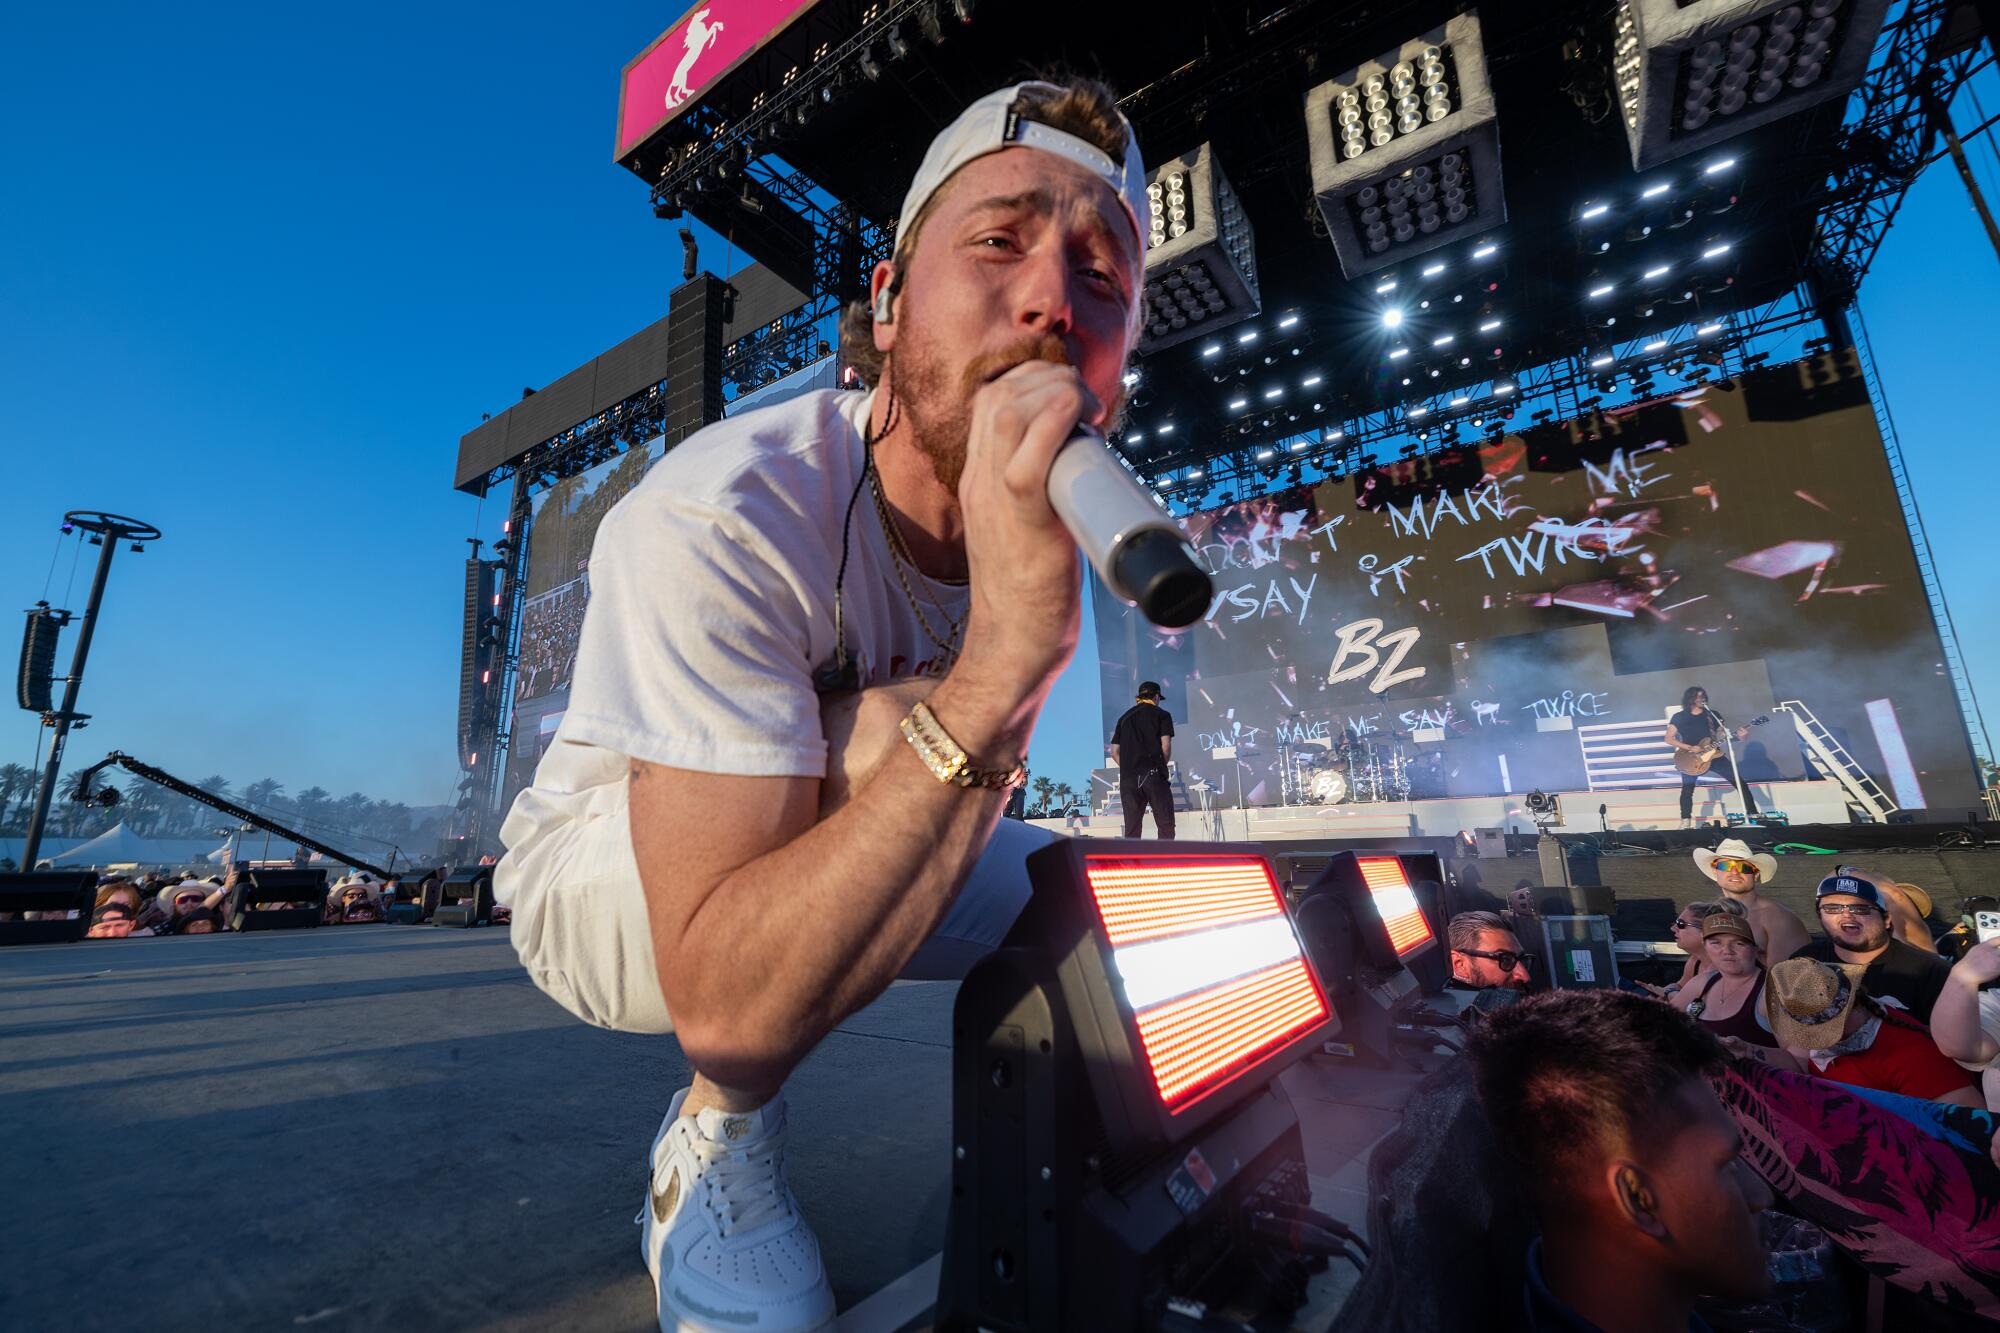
<point x="1691" y="73"/>
<point x="1405" y="149"/>
<point x="1201" y="255"/>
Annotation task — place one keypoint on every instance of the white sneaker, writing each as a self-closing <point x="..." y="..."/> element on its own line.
<point x="722" y="1233"/>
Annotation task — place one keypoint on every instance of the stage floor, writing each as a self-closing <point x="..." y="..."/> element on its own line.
<point x="390" y="1127"/>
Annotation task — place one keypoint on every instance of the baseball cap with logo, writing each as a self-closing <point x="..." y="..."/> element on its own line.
<point x="1851" y="887"/>
<point x="1726" y="923"/>
<point x="991" y="124"/>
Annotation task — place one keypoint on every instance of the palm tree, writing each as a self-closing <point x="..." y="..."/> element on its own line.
<point x="262" y="792"/>
<point x="144" y="806"/>
<point x="16" y="781"/>
<point x="1065" y="798"/>
<point x="1045" y="792"/>
<point x="312" y="803"/>
<point x="215" y="785"/>
<point x="351" y="812"/>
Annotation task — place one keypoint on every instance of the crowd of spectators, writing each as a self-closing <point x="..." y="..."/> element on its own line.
<point x="180" y="903"/>
<point x="1662" y="1119"/>
<point x="550" y="625"/>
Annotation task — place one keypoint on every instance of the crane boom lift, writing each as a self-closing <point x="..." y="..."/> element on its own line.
<point x="185" y="788"/>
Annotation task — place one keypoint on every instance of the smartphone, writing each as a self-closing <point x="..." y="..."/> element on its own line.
<point x="1986" y="925"/>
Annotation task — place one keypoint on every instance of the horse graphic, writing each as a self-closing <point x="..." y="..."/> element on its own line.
<point x="701" y="35"/>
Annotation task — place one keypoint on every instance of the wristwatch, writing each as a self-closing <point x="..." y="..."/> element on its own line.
<point x="947" y="759"/>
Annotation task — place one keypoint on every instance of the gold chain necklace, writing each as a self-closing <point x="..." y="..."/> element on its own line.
<point x="899" y="555"/>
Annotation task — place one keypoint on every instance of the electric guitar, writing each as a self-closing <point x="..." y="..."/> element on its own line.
<point x="1697" y="761"/>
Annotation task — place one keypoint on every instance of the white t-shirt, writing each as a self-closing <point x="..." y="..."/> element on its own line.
<point x="711" y="611"/>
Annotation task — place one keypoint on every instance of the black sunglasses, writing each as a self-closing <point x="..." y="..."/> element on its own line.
<point x="1507" y="958"/>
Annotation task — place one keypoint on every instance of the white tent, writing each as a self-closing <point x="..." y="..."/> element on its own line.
<point x="117" y="845"/>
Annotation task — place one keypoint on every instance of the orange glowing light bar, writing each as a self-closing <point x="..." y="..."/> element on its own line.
<point x="1397" y="904"/>
<point x="1143" y="898"/>
<point x="1200" y="1041"/>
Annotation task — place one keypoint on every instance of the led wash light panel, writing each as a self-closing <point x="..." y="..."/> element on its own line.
<point x="1406" y="149"/>
<point x="1201" y="255"/>
<point x="1394" y="901"/>
<point x="1690" y="73"/>
<point x="1209" y="962"/>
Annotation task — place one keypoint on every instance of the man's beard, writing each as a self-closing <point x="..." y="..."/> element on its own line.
<point x="1871" y="943"/>
<point x="939" y="405"/>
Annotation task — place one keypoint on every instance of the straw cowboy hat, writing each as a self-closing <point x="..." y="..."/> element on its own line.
<point x="1767" y="864"/>
<point x="1920" y="898"/>
<point x="1807" y="1001"/>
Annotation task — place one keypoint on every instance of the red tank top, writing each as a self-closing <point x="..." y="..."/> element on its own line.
<point x="1743" y="1023"/>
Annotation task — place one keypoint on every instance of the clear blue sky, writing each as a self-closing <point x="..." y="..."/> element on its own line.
<point x="264" y="267"/>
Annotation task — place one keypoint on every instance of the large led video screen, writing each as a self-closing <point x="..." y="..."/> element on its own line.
<point x="562" y="525"/>
<point x="1527" y="612"/>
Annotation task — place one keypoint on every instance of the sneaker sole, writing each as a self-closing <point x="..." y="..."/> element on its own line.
<point x="674" y="1321"/>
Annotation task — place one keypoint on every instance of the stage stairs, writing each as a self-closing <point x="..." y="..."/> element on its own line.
<point x="1833" y="761"/>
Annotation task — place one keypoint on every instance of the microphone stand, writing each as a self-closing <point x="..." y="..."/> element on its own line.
<point x="1735" y="769"/>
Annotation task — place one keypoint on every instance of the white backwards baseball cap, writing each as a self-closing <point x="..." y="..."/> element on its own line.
<point x="989" y="125"/>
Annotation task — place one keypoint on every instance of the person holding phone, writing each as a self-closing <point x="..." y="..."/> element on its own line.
<point x="1965" y="1021"/>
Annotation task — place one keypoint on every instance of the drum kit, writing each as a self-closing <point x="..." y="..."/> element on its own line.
<point x="1375" y="767"/>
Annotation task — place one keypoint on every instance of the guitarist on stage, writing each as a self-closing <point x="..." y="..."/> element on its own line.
<point x="1693" y="730"/>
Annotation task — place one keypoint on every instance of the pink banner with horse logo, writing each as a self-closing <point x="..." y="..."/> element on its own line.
<point x="705" y="45"/>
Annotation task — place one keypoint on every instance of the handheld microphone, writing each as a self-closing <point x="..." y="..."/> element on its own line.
<point x="1127" y="535"/>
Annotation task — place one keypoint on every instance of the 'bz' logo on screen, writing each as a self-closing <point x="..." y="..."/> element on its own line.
<point x="1360" y="651"/>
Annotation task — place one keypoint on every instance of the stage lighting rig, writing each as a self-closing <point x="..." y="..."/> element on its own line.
<point x="1201" y="256"/>
<point x="1692" y="72"/>
<point x="1406" y="149"/>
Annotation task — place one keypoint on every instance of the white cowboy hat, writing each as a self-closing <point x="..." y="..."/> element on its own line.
<point x="1767" y="864"/>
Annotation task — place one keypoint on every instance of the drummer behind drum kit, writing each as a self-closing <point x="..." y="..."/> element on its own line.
<point x="1377" y="767"/>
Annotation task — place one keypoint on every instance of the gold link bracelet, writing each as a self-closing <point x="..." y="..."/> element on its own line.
<point x="947" y="759"/>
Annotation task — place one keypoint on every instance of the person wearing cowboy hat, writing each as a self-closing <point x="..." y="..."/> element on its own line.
<point x="1738" y="871"/>
<point x="1855" y="914"/>
<point x="1826" y="1022"/>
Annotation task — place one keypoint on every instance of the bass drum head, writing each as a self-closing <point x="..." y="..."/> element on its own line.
<point x="1328" y="787"/>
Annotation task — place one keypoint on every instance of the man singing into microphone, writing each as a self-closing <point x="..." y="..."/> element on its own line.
<point x="818" y="640"/>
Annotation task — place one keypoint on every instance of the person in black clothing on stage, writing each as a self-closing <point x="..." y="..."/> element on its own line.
<point x="1688" y="730"/>
<point x="1141" y="745"/>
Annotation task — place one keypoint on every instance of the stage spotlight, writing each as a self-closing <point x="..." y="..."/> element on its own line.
<point x="1692" y="72"/>
<point x="1392" y="318"/>
<point x="1406" y="150"/>
<point x="893" y="39"/>
<point x="1201" y="262"/>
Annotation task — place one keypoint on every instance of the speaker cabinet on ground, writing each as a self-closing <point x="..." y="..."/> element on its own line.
<point x="46" y="891"/>
<point x="466" y="898"/>
<point x="300" y="896"/>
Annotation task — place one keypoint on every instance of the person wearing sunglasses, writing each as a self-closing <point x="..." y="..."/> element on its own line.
<point x="1739" y="872"/>
<point x="1687" y="934"/>
<point x="1854" y="913"/>
<point x="1485" y="954"/>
